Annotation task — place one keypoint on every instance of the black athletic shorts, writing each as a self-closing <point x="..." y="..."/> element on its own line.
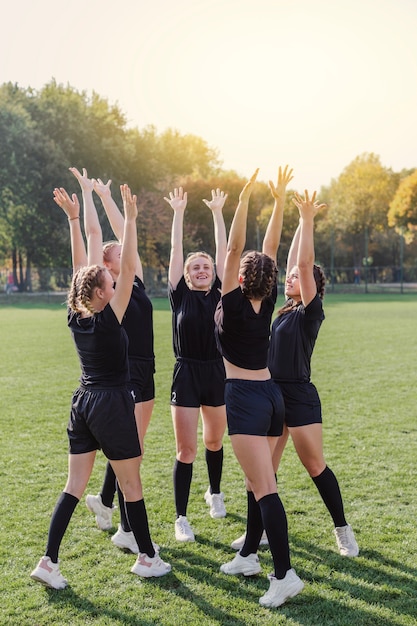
<point x="198" y="383"/>
<point x="103" y="419"/>
<point x="254" y="407"/>
<point x="302" y="403"/>
<point x="142" y="382"/>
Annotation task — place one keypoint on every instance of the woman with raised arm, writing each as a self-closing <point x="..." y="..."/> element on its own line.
<point x="293" y="337"/>
<point x="254" y="404"/>
<point x="198" y="379"/>
<point x="138" y="323"/>
<point x="102" y="411"/>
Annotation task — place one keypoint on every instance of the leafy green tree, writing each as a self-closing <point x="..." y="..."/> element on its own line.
<point x="402" y="214"/>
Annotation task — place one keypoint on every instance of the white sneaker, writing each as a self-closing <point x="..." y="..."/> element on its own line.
<point x="216" y="503"/>
<point x="47" y="573"/>
<point x="103" y="513"/>
<point x="125" y="540"/>
<point x="183" y="530"/>
<point x="148" y="567"/>
<point x="238" y="543"/>
<point x="246" y="565"/>
<point x="346" y="541"/>
<point x="281" y="590"/>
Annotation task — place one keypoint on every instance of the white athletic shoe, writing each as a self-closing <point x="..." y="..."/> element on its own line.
<point x="103" y="513"/>
<point x="183" y="531"/>
<point x="216" y="503"/>
<point x="246" y="565"/>
<point x="148" y="567"/>
<point x="346" y="541"/>
<point x="125" y="540"/>
<point x="281" y="590"/>
<point x="47" y="573"/>
<point x="237" y="544"/>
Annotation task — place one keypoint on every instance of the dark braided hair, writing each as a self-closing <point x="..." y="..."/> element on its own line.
<point x="259" y="272"/>
<point x="83" y="283"/>
<point x="320" y="279"/>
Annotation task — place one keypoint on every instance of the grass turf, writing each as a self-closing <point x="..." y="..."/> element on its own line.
<point x="364" y="369"/>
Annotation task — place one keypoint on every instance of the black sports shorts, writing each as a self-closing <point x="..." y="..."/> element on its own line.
<point x="103" y="419"/>
<point x="142" y="382"/>
<point x="254" y="407"/>
<point x="302" y="403"/>
<point x="198" y="383"/>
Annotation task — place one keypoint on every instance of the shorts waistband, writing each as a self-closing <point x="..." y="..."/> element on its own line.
<point x="182" y="359"/>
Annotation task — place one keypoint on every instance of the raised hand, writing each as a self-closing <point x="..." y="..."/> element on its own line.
<point x="284" y="177"/>
<point x="307" y="207"/>
<point x="218" y="198"/>
<point x="129" y="202"/>
<point x="248" y="188"/>
<point x="86" y="184"/>
<point x="102" y="189"/>
<point x="177" y="199"/>
<point x="70" y="205"/>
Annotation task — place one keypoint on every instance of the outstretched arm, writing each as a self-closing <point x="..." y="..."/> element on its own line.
<point x="123" y="289"/>
<point x="91" y="222"/>
<point x="237" y="238"/>
<point x="115" y="217"/>
<point x="274" y="228"/>
<point x="177" y="201"/>
<point x="216" y="204"/>
<point x="71" y="208"/>
<point x="308" y="209"/>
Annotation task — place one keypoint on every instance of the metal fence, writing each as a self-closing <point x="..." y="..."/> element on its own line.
<point x="55" y="282"/>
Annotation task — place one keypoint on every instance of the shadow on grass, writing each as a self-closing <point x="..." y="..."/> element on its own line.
<point x="370" y="590"/>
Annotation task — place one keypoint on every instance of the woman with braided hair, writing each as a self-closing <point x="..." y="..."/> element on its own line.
<point x="293" y="336"/>
<point x="102" y="411"/>
<point x="254" y="404"/>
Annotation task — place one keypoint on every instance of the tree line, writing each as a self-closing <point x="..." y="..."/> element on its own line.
<point x="371" y="215"/>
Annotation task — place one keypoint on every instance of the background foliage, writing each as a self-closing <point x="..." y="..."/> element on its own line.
<point x="371" y="216"/>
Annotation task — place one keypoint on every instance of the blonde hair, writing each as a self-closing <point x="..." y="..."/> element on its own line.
<point x="259" y="272"/>
<point x="83" y="283"/>
<point x="190" y="258"/>
<point x="107" y="247"/>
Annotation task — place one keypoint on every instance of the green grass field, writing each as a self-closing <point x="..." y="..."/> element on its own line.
<point x="365" y="369"/>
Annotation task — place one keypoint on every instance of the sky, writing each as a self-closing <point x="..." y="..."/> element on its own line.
<point x="265" y="82"/>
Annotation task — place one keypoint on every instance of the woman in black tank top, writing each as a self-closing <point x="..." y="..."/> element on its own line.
<point x="255" y="409"/>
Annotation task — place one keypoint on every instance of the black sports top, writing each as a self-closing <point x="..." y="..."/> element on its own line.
<point x="193" y="321"/>
<point x="138" y="323"/>
<point x="293" y="336"/>
<point x="101" y="343"/>
<point x="242" y="335"/>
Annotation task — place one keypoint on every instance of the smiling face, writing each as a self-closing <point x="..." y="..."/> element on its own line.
<point x="199" y="272"/>
<point x="292" y="284"/>
<point x="111" y="258"/>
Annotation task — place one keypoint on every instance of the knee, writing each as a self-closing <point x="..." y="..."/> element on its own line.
<point x="186" y="454"/>
<point x="315" y="467"/>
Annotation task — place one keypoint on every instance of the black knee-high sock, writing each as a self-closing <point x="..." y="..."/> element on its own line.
<point x="183" y="473"/>
<point x="214" y="462"/>
<point x="254" y="526"/>
<point x="328" y="487"/>
<point x="124" y="522"/>
<point x="60" y="519"/>
<point x="138" y="520"/>
<point x="109" y="486"/>
<point x="275" y="524"/>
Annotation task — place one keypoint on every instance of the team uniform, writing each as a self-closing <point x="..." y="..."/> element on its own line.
<point x="242" y="337"/>
<point x="138" y="323"/>
<point x="102" y="411"/>
<point x="198" y="377"/>
<point x="295" y="334"/>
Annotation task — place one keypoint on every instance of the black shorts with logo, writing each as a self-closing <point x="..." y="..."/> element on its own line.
<point x="198" y="383"/>
<point x="142" y="382"/>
